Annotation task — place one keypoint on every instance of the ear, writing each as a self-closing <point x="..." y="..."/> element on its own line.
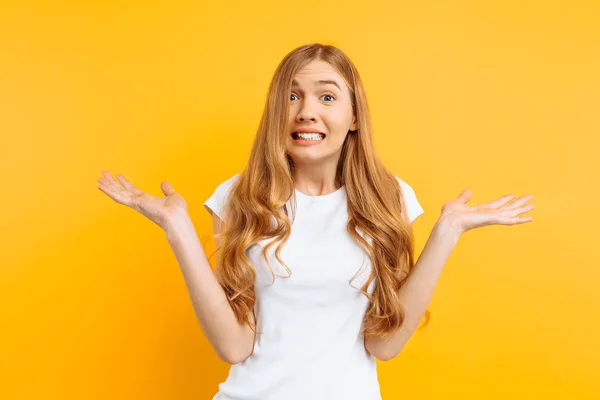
<point x="354" y="125"/>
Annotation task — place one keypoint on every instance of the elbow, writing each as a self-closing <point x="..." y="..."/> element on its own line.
<point x="382" y="353"/>
<point x="238" y="348"/>
<point x="386" y="356"/>
<point x="240" y="359"/>
<point x="235" y="356"/>
<point x="231" y="358"/>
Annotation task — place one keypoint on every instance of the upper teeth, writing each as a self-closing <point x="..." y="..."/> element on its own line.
<point x="310" y="135"/>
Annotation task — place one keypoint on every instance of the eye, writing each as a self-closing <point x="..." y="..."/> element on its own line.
<point x="328" y="95"/>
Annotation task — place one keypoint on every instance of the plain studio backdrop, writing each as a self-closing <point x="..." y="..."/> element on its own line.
<point x="498" y="96"/>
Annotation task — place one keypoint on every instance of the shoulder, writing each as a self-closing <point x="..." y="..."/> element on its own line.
<point x="216" y="202"/>
<point x="405" y="186"/>
<point x="413" y="207"/>
<point x="227" y="184"/>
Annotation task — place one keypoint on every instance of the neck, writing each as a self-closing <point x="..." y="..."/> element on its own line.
<point x="315" y="180"/>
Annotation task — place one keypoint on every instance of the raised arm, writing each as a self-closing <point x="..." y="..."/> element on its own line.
<point x="457" y="218"/>
<point x="233" y="342"/>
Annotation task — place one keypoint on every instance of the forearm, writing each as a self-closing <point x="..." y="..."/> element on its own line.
<point x="230" y="339"/>
<point x="416" y="292"/>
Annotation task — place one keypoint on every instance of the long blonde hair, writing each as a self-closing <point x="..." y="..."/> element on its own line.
<point x="258" y="199"/>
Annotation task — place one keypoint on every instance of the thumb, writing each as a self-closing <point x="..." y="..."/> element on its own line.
<point x="166" y="188"/>
<point x="465" y="196"/>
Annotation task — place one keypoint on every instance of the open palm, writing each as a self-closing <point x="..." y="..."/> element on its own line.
<point x="496" y="212"/>
<point x="158" y="210"/>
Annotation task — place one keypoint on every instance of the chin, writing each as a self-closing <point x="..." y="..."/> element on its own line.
<point x="308" y="158"/>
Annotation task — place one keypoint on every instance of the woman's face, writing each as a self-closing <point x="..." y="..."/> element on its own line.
<point x="319" y="101"/>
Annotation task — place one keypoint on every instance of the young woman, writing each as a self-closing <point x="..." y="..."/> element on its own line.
<point x="315" y="275"/>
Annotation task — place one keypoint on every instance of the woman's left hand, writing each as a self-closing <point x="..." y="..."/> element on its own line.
<point x="497" y="212"/>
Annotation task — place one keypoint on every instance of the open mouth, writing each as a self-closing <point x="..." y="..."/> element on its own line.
<point x="308" y="136"/>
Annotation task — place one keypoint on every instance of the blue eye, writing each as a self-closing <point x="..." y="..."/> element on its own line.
<point x="328" y="95"/>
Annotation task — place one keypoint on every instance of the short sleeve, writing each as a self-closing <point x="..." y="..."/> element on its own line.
<point x="216" y="201"/>
<point x="413" y="207"/>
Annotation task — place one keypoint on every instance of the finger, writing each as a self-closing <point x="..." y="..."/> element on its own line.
<point x="519" y="202"/>
<point x="110" y="178"/>
<point x="166" y="188"/>
<point x="128" y="185"/>
<point x="513" y="212"/>
<point x="465" y="196"/>
<point x="499" y="202"/>
<point x="514" y="220"/>
<point x="120" y="196"/>
<point x="111" y="183"/>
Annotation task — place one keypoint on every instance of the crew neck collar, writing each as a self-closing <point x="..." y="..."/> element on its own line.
<point x="326" y="197"/>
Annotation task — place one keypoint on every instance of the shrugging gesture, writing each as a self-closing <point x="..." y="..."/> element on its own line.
<point x="158" y="209"/>
<point x="464" y="217"/>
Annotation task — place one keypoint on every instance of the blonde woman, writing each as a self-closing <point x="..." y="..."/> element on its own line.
<point x="315" y="272"/>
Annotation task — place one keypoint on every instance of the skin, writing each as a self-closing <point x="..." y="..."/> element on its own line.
<point x="311" y="107"/>
<point x="327" y="109"/>
<point x="456" y="218"/>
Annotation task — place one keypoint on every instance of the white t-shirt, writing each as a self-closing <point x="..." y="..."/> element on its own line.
<point x="310" y="346"/>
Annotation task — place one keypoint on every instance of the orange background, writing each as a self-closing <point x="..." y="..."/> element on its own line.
<point x="500" y="97"/>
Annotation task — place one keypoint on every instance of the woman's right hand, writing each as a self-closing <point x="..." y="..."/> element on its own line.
<point x="158" y="210"/>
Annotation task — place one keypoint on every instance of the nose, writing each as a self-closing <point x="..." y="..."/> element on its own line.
<point x="306" y="112"/>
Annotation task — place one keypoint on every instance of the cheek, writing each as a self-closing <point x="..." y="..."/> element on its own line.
<point x="340" y="125"/>
<point x="341" y="118"/>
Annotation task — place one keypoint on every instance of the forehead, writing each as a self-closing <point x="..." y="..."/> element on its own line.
<point x="315" y="71"/>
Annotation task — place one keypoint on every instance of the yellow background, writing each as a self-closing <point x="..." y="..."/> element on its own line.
<point x="500" y="97"/>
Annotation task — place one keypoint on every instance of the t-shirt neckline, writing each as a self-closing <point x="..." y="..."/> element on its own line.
<point x="326" y="197"/>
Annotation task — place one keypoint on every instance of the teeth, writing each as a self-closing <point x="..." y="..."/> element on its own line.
<point x="310" y="136"/>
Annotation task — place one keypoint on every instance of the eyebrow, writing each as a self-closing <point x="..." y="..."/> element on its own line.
<point x="320" y="82"/>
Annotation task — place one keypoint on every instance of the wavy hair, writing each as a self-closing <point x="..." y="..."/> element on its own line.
<point x="256" y="206"/>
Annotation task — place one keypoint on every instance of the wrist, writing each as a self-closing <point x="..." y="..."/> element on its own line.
<point x="447" y="228"/>
<point x="178" y="225"/>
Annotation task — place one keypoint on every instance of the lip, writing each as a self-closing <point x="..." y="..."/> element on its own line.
<point x="307" y="130"/>
<point x="303" y="143"/>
